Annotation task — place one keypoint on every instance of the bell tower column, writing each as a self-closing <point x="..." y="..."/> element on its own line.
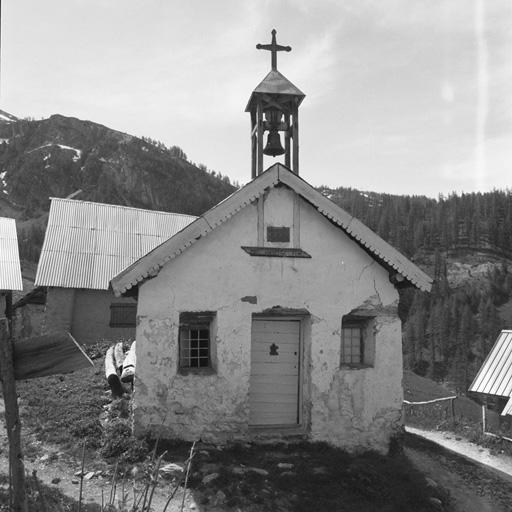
<point x="274" y="108"/>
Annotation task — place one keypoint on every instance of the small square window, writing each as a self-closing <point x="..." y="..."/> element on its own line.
<point x="357" y="348"/>
<point x="195" y="340"/>
<point x="123" y="314"/>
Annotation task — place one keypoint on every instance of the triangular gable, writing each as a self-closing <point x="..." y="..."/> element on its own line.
<point x="381" y="251"/>
<point x="495" y="374"/>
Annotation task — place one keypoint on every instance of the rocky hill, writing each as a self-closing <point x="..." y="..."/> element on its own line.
<point x="463" y="241"/>
<point x="59" y="156"/>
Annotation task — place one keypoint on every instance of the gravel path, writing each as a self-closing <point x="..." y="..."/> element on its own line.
<point x="500" y="463"/>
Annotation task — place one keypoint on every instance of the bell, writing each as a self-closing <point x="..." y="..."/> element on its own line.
<point x="273" y="147"/>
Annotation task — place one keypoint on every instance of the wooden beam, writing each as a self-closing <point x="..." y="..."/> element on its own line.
<point x="259" y="137"/>
<point x="295" y="135"/>
<point x="270" y="102"/>
<point x="287" y="141"/>
<point x="296" y="221"/>
<point x="254" y="145"/>
<point x="50" y="354"/>
<point x="261" y="220"/>
<point x="12" y="420"/>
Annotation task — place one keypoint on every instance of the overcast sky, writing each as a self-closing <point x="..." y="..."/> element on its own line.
<point x="402" y="96"/>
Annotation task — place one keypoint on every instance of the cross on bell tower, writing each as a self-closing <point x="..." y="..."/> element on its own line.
<point x="274" y="108"/>
<point x="273" y="47"/>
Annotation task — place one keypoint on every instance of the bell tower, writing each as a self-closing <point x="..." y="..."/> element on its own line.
<point x="274" y="108"/>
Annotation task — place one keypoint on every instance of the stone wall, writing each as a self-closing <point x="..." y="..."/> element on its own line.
<point x="353" y="408"/>
<point x="91" y="317"/>
<point x="84" y="313"/>
<point x="58" y="314"/>
<point x="29" y="320"/>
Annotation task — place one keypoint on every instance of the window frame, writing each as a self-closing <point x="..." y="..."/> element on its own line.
<point x="115" y="308"/>
<point x="366" y="341"/>
<point x="195" y="321"/>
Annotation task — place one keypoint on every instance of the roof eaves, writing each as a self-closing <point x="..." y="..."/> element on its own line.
<point x="358" y="231"/>
<point x="150" y="264"/>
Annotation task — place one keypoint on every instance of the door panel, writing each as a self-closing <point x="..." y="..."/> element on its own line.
<point x="274" y="385"/>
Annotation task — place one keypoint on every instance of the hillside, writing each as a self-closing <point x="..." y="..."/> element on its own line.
<point x="60" y="155"/>
<point x="465" y="243"/>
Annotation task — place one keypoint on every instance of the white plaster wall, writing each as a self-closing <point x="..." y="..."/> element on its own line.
<point x="347" y="407"/>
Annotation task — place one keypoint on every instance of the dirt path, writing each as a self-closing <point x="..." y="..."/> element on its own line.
<point x="55" y="469"/>
<point x="472" y="487"/>
<point x="498" y="462"/>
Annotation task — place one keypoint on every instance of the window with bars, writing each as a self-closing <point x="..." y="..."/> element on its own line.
<point x="123" y="314"/>
<point x="356" y="342"/>
<point x="195" y="340"/>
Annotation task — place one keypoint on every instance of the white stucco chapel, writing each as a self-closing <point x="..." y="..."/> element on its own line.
<point x="273" y="314"/>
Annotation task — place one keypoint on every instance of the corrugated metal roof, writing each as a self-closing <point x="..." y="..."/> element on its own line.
<point x="384" y="253"/>
<point x="495" y="375"/>
<point x="507" y="409"/>
<point x="86" y="244"/>
<point x="10" y="270"/>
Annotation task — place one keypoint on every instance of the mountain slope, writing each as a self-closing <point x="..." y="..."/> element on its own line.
<point x="59" y="155"/>
<point x="465" y="243"/>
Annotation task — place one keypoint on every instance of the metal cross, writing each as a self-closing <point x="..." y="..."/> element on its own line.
<point x="273" y="47"/>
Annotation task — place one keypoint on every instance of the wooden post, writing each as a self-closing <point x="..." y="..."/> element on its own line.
<point x="12" y="419"/>
<point x="253" y="146"/>
<point x="287" y="141"/>
<point x="452" y="403"/>
<point x="295" y="136"/>
<point x="484" y="419"/>
<point x="259" y="136"/>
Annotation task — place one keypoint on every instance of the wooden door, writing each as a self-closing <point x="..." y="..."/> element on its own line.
<point x="274" y="384"/>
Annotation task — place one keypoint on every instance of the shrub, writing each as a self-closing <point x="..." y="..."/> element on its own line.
<point x="120" y="443"/>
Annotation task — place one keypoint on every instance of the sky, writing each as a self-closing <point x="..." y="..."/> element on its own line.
<point x="402" y="96"/>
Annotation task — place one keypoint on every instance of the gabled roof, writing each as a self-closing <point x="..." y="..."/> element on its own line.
<point x="86" y="244"/>
<point x="10" y="270"/>
<point x="380" y="250"/>
<point x="276" y="83"/>
<point x="495" y="375"/>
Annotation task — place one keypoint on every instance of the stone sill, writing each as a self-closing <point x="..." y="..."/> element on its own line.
<point x="273" y="432"/>
<point x="197" y="371"/>
<point x="356" y="366"/>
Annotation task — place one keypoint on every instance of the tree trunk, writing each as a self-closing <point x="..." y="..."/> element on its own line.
<point x="12" y="420"/>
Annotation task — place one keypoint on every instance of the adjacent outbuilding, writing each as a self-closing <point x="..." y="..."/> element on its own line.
<point x="10" y="269"/>
<point x="494" y="379"/>
<point x="85" y="245"/>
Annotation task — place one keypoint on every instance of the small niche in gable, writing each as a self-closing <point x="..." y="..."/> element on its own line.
<point x="278" y="234"/>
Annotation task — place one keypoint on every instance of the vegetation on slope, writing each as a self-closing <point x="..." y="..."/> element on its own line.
<point x="58" y="156"/>
<point x="465" y="243"/>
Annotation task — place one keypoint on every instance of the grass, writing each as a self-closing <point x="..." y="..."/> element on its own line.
<point x="65" y="410"/>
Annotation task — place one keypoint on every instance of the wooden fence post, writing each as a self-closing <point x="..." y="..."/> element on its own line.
<point x="12" y="419"/>
<point x="484" y="419"/>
